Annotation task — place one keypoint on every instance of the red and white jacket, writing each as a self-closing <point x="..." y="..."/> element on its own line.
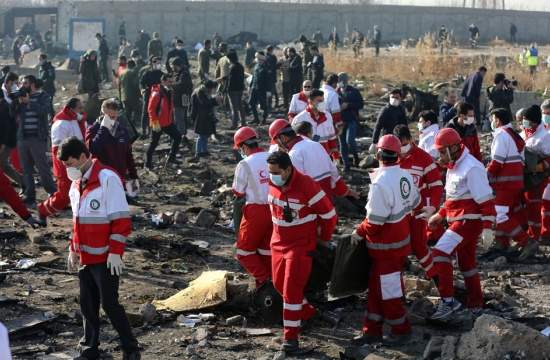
<point x="332" y="104"/>
<point x="468" y="194"/>
<point x="311" y="209"/>
<point x="426" y="175"/>
<point x="309" y="158"/>
<point x="101" y="217"/>
<point x="392" y="199"/>
<point x="505" y="170"/>
<point x="298" y="103"/>
<point x="252" y="178"/>
<point x="323" y="128"/>
<point x="65" y="125"/>
<point x="537" y="141"/>
<point x="427" y="140"/>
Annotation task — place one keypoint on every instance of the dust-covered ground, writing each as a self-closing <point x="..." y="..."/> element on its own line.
<point x="158" y="262"/>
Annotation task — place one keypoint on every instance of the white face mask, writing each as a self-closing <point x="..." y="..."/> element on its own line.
<point x="395" y="102"/>
<point x="14" y="88"/>
<point x="79" y="116"/>
<point x="321" y="107"/>
<point x="420" y="126"/>
<point x="107" y="121"/>
<point x="469" y="120"/>
<point x="341" y="85"/>
<point x="307" y="92"/>
<point x="157" y="66"/>
<point x="179" y="47"/>
<point x="74" y="173"/>
<point x="405" y="149"/>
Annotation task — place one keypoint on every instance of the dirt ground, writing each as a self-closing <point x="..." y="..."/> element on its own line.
<point x="158" y="262"/>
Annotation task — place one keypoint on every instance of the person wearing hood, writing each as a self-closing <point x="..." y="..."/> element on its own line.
<point x="88" y="82"/>
<point x="389" y="117"/>
<point x="149" y="76"/>
<point x="161" y="120"/>
<point x="203" y="102"/>
<point x="258" y="88"/>
<point x="465" y="124"/>
<point x="69" y="122"/>
<point x="108" y="141"/>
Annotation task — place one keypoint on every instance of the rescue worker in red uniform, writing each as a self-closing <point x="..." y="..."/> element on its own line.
<point x="67" y="123"/>
<point x="427" y="178"/>
<point x="302" y="216"/>
<point x="321" y="120"/>
<point x="299" y="101"/>
<point x="9" y="195"/>
<point x="464" y="124"/>
<point x="307" y="156"/>
<point x="251" y="182"/>
<point x="537" y="144"/>
<point x="505" y="173"/>
<point x="393" y="197"/>
<point x="545" y="208"/>
<point x="470" y="212"/>
<point x="101" y="225"/>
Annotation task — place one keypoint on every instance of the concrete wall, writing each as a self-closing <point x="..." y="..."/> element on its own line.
<point x="193" y="21"/>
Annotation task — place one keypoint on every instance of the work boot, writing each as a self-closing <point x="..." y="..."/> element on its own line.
<point x="445" y="309"/>
<point x="396" y="339"/>
<point x="365" y="338"/>
<point x="290" y="346"/>
<point x="529" y="250"/>
<point x="135" y="355"/>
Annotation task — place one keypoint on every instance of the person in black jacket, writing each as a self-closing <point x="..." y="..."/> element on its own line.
<point x="501" y="94"/>
<point x="271" y="65"/>
<point x="46" y="73"/>
<point x="259" y="87"/>
<point x="89" y="79"/>
<point x="351" y="102"/>
<point x="317" y="66"/>
<point x="296" y="71"/>
<point x="182" y="88"/>
<point x="203" y="102"/>
<point x="235" y="87"/>
<point x="8" y="135"/>
<point x="177" y="51"/>
<point x="471" y="90"/>
<point x="103" y="50"/>
<point x="389" y="117"/>
<point x="149" y="75"/>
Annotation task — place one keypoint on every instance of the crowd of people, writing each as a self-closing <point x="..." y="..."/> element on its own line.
<point x="433" y="197"/>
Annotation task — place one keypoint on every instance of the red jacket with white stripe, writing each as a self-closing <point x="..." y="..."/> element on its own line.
<point x="309" y="158"/>
<point x="101" y="217"/>
<point x="426" y="175"/>
<point x="505" y="170"/>
<point x="311" y="209"/>
<point x="468" y="194"/>
<point x="392" y="199"/>
<point x="323" y="128"/>
<point x="298" y="103"/>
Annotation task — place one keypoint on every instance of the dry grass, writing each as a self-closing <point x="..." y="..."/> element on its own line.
<point x="423" y="65"/>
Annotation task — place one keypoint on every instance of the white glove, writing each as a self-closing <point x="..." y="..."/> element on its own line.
<point x="488" y="237"/>
<point x="372" y="148"/>
<point x="107" y="122"/>
<point x="73" y="261"/>
<point x="426" y="212"/>
<point x="114" y="262"/>
<point x="355" y="238"/>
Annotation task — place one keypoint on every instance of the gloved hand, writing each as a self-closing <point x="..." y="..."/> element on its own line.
<point x="372" y="148"/>
<point x="114" y="262"/>
<point x="426" y="212"/>
<point x="132" y="188"/>
<point x="72" y="261"/>
<point x="488" y="236"/>
<point x="107" y="122"/>
<point x="355" y="238"/>
<point x="35" y="223"/>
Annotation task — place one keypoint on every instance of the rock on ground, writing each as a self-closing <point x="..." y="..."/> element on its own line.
<point x="493" y="338"/>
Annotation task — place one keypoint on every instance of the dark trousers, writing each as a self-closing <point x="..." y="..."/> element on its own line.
<point x="133" y="114"/>
<point x="172" y="131"/>
<point x="258" y="97"/>
<point x="287" y="93"/>
<point x="145" y="112"/>
<point x="237" y="111"/>
<point x="180" y="119"/>
<point x="347" y="142"/>
<point x="103" y="68"/>
<point x="274" y="94"/>
<point x="316" y="79"/>
<point x="97" y="285"/>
